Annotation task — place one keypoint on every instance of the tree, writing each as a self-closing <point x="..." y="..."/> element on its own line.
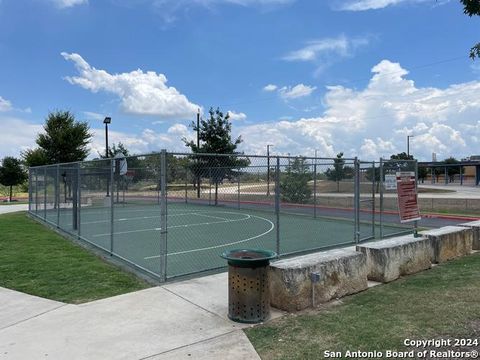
<point x="65" y="139"/>
<point x="401" y="156"/>
<point x="422" y="173"/>
<point x="338" y="172"/>
<point x="373" y="174"/>
<point x="11" y="173"/>
<point x="451" y="169"/>
<point x="34" y="157"/>
<point x="114" y="150"/>
<point x="215" y="138"/>
<point x="470" y="8"/>
<point x="294" y="183"/>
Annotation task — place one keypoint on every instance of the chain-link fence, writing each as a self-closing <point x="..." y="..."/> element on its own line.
<point x="172" y="214"/>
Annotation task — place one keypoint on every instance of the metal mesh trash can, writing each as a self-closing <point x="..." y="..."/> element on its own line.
<point x="248" y="286"/>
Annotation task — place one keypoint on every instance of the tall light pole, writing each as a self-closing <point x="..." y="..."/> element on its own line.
<point x="408" y="144"/>
<point x="268" y="169"/>
<point x="107" y="121"/>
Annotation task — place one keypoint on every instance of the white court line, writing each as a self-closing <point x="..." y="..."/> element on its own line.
<point x="219" y="246"/>
<point x="135" y="218"/>
<point x="174" y="226"/>
<point x="210" y="216"/>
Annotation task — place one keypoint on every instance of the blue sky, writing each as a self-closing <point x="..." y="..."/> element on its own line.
<point x="355" y="76"/>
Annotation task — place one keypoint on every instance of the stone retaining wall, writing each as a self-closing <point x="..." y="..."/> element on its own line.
<point x="341" y="272"/>
<point x="475" y="226"/>
<point x="388" y="259"/>
<point x="449" y="242"/>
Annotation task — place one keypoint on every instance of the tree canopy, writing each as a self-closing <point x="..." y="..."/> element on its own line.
<point x="11" y="173"/>
<point x="114" y="150"/>
<point x="471" y="8"/>
<point x="339" y="171"/>
<point x="294" y="183"/>
<point x="34" y="157"/>
<point x="65" y="139"/>
<point x="215" y="135"/>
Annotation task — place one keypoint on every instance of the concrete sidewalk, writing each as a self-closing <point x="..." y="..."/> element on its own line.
<point x="13" y="208"/>
<point x="179" y="320"/>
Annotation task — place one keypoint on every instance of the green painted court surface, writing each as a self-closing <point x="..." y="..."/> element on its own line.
<point x="198" y="234"/>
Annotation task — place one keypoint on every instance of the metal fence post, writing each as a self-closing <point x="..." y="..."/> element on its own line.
<point x="29" y="190"/>
<point x="315" y="188"/>
<point x="36" y="191"/>
<point x="57" y="194"/>
<point x="277" y="205"/>
<point x="357" y="200"/>
<point x="381" y="198"/>
<point x="79" y="200"/>
<point x="415" y="223"/>
<point x="238" y="189"/>
<point x="209" y="186"/>
<point x="163" y="216"/>
<point x="45" y="193"/>
<point x="186" y="185"/>
<point x="373" y="198"/>
<point x="112" y="198"/>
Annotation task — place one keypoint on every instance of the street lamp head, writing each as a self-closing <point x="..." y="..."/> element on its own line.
<point x="107" y="120"/>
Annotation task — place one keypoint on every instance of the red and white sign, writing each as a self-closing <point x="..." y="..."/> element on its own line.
<point x="407" y="196"/>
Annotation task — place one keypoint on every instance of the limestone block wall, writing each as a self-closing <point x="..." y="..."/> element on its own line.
<point x="340" y="272"/>
<point x="388" y="259"/>
<point x="475" y="226"/>
<point x="449" y="242"/>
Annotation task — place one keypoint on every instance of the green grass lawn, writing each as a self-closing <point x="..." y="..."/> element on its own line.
<point x="37" y="261"/>
<point x="438" y="303"/>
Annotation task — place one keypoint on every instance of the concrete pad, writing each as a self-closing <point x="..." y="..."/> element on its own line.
<point x="449" y="242"/>
<point x="16" y="307"/>
<point x="388" y="259"/>
<point x="341" y="272"/>
<point x="4" y="209"/>
<point x="215" y="300"/>
<point x="232" y="346"/>
<point x="475" y="226"/>
<point x="130" y="326"/>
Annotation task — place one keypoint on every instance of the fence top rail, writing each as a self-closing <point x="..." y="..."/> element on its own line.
<point x="77" y="163"/>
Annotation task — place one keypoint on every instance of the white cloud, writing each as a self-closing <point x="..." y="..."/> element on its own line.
<point x="143" y="143"/>
<point x="291" y="92"/>
<point x="237" y="116"/>
<point x="315" y="49"/>
<point x="141" y="93"/>
<point x="270" y="88"/>
<point x="374" y="121"/>
<point x="5" y="105"/>
<point x="69" y="3"/>
<point x="93" y="115"/>
<point x="363" y="5"/>
<point x="297" y="91"/>
<point x="368" y="122"/>
<point x="325" y="52"/>
<point x="17" y="135"/>
<point x="169" y="9"/>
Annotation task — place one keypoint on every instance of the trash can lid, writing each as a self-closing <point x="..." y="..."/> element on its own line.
<point x="248" y="256"/>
